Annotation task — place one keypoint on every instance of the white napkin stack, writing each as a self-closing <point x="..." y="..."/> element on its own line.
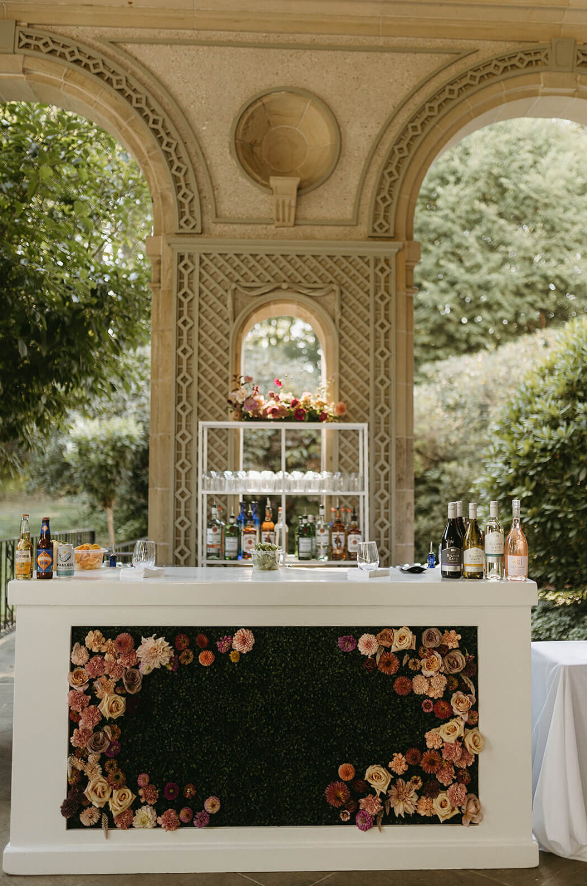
<point x="134" y="574"/>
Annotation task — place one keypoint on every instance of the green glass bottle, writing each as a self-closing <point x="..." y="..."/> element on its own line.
<point x="231" y="539"/>
<point x="304" y="539"/>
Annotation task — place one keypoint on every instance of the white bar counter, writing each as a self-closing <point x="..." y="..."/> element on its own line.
<point x="40" y="843"/>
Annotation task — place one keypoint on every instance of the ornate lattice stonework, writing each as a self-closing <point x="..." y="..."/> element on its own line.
<point x="362" y="276"/>
<point x="559" y="55"/>
<point x="76" y="55"/>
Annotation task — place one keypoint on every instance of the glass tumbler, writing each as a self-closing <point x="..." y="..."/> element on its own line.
<point x="368" y="556"/>
<point x="143" y="555"/>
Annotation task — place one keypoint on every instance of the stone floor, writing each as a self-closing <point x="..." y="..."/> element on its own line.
<point x="553" y="871"/>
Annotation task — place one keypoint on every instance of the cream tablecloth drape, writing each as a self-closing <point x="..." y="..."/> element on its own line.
<point x="559" y="747"/>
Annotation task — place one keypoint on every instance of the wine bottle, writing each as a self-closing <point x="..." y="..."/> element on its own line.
<point x="460" y="521"/>
<point x="494" y="545"/>
<point x="451" y="546"/>
<point x="473" y="553"/>
<point x="312" y="531"/>
<point x="516" y="548"/>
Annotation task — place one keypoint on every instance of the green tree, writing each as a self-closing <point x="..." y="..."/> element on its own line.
<point x="539" y="455"/>
<point x="502" y="218"/>
<point x="286" y="348"/>
<point x="74" y="214"/>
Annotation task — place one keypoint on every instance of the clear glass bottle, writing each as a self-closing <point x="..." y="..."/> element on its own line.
<point x="23" y="560"/>
<point x="231" y="539"/>
<point x="353" y="537"/>
<point x="249" y="536"/>
<point x="473" y="553"/>
<point x="214" y="537"/>
<point x="337" y="537"/>
<point x="312" y="529"/>
<point x="282" y="534"/>
<point x="494" y="545"/>
<point x="304" y="541"/>
<point x="268" y="526"/>
<point x="322" y="537"/>
<point x="451" y="546"/>
<point x="256" y="519"/>
<point x="516" y="548"/>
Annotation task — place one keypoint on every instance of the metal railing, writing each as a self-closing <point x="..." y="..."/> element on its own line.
<point x="73" y="537"/>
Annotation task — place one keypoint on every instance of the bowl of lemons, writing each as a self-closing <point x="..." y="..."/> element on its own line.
<point x="88" y="557"/>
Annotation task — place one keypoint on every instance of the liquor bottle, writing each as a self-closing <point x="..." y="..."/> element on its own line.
<point x="431" y="558"/>
<point x="494" y="545"/>
<point x="231" y="540"/>
<point x="322" y="537"/>
<point x="304" y="540"/>
<point x="23" y="561"/>
<point x="214" y="537"/>
<point x="268" y="526"/>
<point x="473" y="554"/>
<point x="516" y="548"/>
<point x="249" y="537"/>
<point x="45" y="551"/>
<point x="256" y="519"/>
<point x="337" y="537"/>
<point x="240" y="522"/>
<point x="281" y="534"/>
<point x="353" y="537"/>
<point x="451" y="546"/>
<point x="312" y="529"/>
<point x="460" y="521"/>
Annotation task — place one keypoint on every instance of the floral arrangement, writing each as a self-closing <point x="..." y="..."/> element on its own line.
<point x="106" y="677"/>
<point x="432" y="780"/>
<point x="249" y="404"/>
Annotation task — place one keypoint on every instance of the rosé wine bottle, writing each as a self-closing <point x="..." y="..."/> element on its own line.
<point x="516" y="548"/>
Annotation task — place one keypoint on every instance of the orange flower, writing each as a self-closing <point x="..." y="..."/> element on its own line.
<point x="388" y="663"/>
<point x="206" y="657"/>
<point x="346" y="771"/>
<point x="340" y="409"/>
<point x="234" y="655"/>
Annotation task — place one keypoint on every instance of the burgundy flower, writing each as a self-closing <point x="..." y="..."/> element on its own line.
<point x="402" y="685"/>
<point x="171" y="790"/>
<point x="202" y="641"/>
<point x="133" y="703"/>
<point x="463" y="776"/>
<point x="182" y="641"/>
<point x="295" y="402"/>
<point x="201" y="819"/>
<point x="470" y="668"/>
<point x="74" y="716"/>
<point x="69" y="808"/>
<point x="347" y="643"/>
<point x="360" y="786"/>
<point x="113" y="749"/>
<point x="173" y="664"/>
<point x="323" y="416"/>
<point x="124" y="643"/>
<point x="337" y="794"/>
<point x="432" y="789"/>
<point x="413" y="756"/>
<point x="363" y="820"/>
<point x="351" y="806"/>
<point x="370" y="665"/>
<point x="300" y="414"/>
<point x="442" y="709"/>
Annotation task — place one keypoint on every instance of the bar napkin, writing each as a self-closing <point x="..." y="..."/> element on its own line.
<point x="133" y="574"/>
<point x="362" y="575"/>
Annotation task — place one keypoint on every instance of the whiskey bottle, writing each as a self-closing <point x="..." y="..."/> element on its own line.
<point x="249" y="537"/>
<point x="337" y="537"/>
<point x="23" y="561"/>
<point x="45" y="551"/>
<point x="322" y="537"/>
<point x="353" y="537"/>
<point x="268" y="526"/>
<point x="304" y="540"/>
<point x="231" y="540"/>
<point x="214" y="537"/>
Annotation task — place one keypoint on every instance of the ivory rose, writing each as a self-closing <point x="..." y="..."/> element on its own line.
<point x="385" y="637"/>
<point x="403" y="639"/>
<point x="378" y="778"/>
<point x="432" y="664"/>
<point x="121" y="800"/>
<point x="98" y="791"/>
<point x="473" y="811"/>
<point x="78" y="679"/>
<point x="462" y="704"/>
<point x="112" y="706"/>
<point x="454" y="662"/>
<point x="474" y="741"/>
<point x="431" y="638"/>
<point x="451" y="730"/>
<point x="443" y="808"/>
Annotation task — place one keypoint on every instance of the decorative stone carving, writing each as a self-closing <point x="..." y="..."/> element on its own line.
<point x="286" y="133"/>
<point x="285" y="196"/>
<point x="240" y="293"/>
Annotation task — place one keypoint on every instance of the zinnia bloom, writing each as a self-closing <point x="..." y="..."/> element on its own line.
<point x="337" y="793"/>
<point x="442" y="709"/>
<point x="113" y="749"/>
<point x="403" y="798"/>
<point x="473" y="718"/>
<point x="124" y="643"/>
<point x="212" y="805"/>
<point x="171" y="790"/>
<point x="243" y="640"/>
<point x="234" y="655"/>
<point x="401" y="685"/>
<point x="182" y="641"/>
<point x="187" y="656"/>
<point x="430" y="761"/>
<point x="347" y="643"/>
<point x="389" y="664"/>
<point x="368" y="644"/>
<point x="116" y="779"/>
<point x="205" y="658"/>
<point x="363" y="820"/>
<point x="202" y="641"/>
<point x="169" y="821"/>
<point x="371" y="804"/>
<point x="189" y="791"/>
<point x="463" y="776"/>
<point x="346" y="771"/>
<point x="224" y="643"/>
<point x="89" y="816"/>
<point x="427" y="705"/>
<point x="201" y="819"/>
<point x="398" y="764"/>
<point x="345" y="815"/>
<point x="413" y="756"/>
<point x="432" y="789"/>
<point x="186" y="814"/>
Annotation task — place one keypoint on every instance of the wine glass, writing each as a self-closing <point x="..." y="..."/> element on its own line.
<point x="143" y="555"/>
<point x="367" y="556"/>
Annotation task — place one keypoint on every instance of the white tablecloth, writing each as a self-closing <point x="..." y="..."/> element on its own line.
<point x="559" y="747"/>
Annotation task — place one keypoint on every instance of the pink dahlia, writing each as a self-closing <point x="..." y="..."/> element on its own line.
<point x="371" y="804"/>
<point x="368" y="644"/>
<point x="212" y="805"/>
<point x="457" y="794"/>
<point x="363" y="820"/>
<point x="124" y="643"/>
<point x="243" y="641"/>
<point x="337" y="794"/>
<point x="201" y="819"/>
<point x="169" y="821"/>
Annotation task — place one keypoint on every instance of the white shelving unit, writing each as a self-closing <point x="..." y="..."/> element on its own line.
<point x="283" y="427"/>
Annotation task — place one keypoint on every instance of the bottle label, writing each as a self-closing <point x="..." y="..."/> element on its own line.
<point x="44" y="561"/>
<point x="304" y="546"/>
<point x="353" y="543"/>
<point x="23" y="563"/>
<point x="451" y="559"/>
<point x="338" y="544"/>
<point x="494" y="543"/>
<point x="213" y="537"/>
<point x="249" y="541"/>
<point x="268" y="536"/>
<point x="230" y="547"/>
<point x="473" y="559"/>
<point x="517" y="565"/>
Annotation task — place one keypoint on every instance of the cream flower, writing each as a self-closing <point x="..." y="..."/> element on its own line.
<point x="432" y="664"/>
<point x="474" y="741"/>
<point x="145" y="817"/>
<point x="95" y="641"/>
<point x="403" y="639"/>
<point x="78" y="679"/>
<point x="112" y="706"/>
<point x="462" y="704"/>
<point x="368" y="644"/>
<point x="121" y="800"/>
<point x="473" y="810"/>
<point x="79" y="655"/>
<point x="378" y="778"/>
<point x="98" y="791"/>
<point x="420" y="684"/>
<point x="452" y="730"/>
<point x="154" y="652"/>
<point x="443" y="808"/>
<point x="403" y="797"/>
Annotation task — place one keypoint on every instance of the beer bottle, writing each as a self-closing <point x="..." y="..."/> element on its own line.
<point x="23" y="565"/>
<point x="45" y="551"/>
